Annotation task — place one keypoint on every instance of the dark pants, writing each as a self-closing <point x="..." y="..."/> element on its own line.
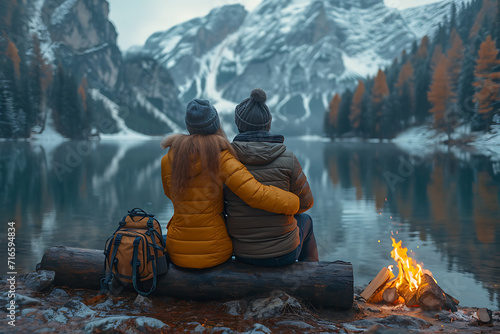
<point x="305" y="251"/>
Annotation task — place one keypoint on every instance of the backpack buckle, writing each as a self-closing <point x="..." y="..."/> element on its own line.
<point x="118" y="239"/>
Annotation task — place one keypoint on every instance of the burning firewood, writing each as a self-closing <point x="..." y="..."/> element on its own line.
<point x="429" y="295"/>
<point x="390" y="295"/>
<point x="382" y="277"/>
<point x="413" y="285"/>
<point x="408" y="294"/>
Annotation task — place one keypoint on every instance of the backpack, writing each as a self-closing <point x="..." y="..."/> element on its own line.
<point x="135" y="253"/>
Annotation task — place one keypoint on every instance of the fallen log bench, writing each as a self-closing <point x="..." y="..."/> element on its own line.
<point x="325" y="284"/>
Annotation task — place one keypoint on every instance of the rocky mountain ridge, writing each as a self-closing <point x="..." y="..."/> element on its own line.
<point x="78" y="35"/>
<point x="299" y="51"/>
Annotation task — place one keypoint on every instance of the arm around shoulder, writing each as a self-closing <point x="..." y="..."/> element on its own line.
<point x="236" y="176"/>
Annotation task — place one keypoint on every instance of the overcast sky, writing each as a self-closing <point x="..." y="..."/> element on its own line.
<point x="136" y="20"/>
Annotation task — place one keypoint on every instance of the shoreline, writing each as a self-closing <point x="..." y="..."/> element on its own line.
<point x="47" y="309"/>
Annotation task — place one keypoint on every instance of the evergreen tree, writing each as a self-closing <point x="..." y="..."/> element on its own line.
<point x="40" y="78"/>
<point x="392" y="73"/>
<point x="70" y="118"/>
<point x="496" y="31"/>
<point x="453" y="15"/>
<point x="390" y="123"/>
<point x="422" y="83"/>
<point x="466" y="89"/>
<point x="404" y="94"/>
<point x="344" y="112"/>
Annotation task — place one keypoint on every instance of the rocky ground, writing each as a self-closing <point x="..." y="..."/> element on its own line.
<point x="45" y="309"/>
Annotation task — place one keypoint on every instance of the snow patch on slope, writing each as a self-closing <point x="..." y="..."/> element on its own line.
<point x="61" y="11"/>
<point x="124" y="131"/>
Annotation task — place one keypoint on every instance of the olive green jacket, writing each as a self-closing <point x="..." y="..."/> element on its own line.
<point x="257" y="233"/>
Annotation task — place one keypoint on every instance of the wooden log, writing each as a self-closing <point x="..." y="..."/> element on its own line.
<point x="484" y="315"/>
<point x="430" y="296"/>
<point x="454" y="300"/>
<point x="382" y="277"/>
<point x="378" y="296"/>
<point x="409" y="296"/>
<point x="74" y="267"/>
<point x="390" y="295"/>
<point x="326" y="284"/>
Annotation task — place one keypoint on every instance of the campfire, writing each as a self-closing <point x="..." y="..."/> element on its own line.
<point x="414" y="286"/>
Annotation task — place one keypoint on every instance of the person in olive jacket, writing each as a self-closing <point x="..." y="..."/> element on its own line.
<point x="262" y="237"/>
<point x="193" y="173"/>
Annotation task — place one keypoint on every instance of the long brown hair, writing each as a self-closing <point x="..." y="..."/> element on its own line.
<point x="189" y="149"/>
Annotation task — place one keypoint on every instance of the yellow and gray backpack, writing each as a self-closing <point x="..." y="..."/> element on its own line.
<point x="135" y="253"/>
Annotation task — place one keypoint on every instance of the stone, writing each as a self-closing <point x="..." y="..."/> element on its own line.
<point x="223" y="330"/>
<point x="28" y="311"/>
<point x="379" y="329"/>
<point x="294" y="323"/>
<point x="39" y="280"/>
<point x="125" y="324"/>
<point x="59" y="293"/>
<point x="143" y="302"/>
<point x="78" y="309"/>
<point x="105" y="305"/>
<point x="392" y="321"/>
<point x="51" y="315"/>
<point x="146" y="323"/>
<point x="25" y="300"/>
<point x="199" y="329"/>
<point x="373" y="309"/>
<point x="404" y="321"/>
<point x="235" y="307"/>
<point x="275" y="305"/>
<point x="258" y="329"/>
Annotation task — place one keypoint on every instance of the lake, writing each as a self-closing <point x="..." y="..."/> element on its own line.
<point x="443" y="204"/>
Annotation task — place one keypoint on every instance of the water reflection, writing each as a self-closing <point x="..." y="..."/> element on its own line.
<point x="57" y="195"/>
<point x="445" y="206"/>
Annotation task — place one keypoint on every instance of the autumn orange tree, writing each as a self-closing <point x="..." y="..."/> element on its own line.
<point x="380" y="92"/>
<point x="332" y="115"/>
<point x="356" y="106"/>
<point x="455" y="56"/>
<point x="441" y="96"/>
<point x="486" y="80"/>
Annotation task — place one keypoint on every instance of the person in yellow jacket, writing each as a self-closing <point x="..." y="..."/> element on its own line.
<point x="193" y="172"/>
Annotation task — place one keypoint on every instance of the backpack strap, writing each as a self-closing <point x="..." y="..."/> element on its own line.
<point x="136" y="263"/>
<point x="105" y="282"/>
<point x="154" y="233"/>
<point x="139" y="212"/>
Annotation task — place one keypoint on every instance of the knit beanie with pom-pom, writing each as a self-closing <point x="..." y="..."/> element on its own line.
<point x="252" y="114"/>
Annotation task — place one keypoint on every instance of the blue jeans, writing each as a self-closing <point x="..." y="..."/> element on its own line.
<point x="306" y="250"/>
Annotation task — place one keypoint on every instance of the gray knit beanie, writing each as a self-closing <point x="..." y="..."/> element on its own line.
<point x="201" y="117"/>
<point x="252" y="114"/>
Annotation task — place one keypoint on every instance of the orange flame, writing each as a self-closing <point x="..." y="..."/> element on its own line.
<point x="409" y="270"/>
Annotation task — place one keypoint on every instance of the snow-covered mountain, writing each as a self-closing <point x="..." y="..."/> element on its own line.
<point x="299" y="51"/>
<point x="136" y="94"/>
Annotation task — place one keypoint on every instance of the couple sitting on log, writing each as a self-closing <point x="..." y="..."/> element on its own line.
<point x="261" y="204"/>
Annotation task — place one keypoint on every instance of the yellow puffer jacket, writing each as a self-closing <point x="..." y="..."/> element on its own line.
<point x="197" y="236"/>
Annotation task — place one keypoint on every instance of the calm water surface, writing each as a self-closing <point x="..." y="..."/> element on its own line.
<point x="444" y="206"/>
